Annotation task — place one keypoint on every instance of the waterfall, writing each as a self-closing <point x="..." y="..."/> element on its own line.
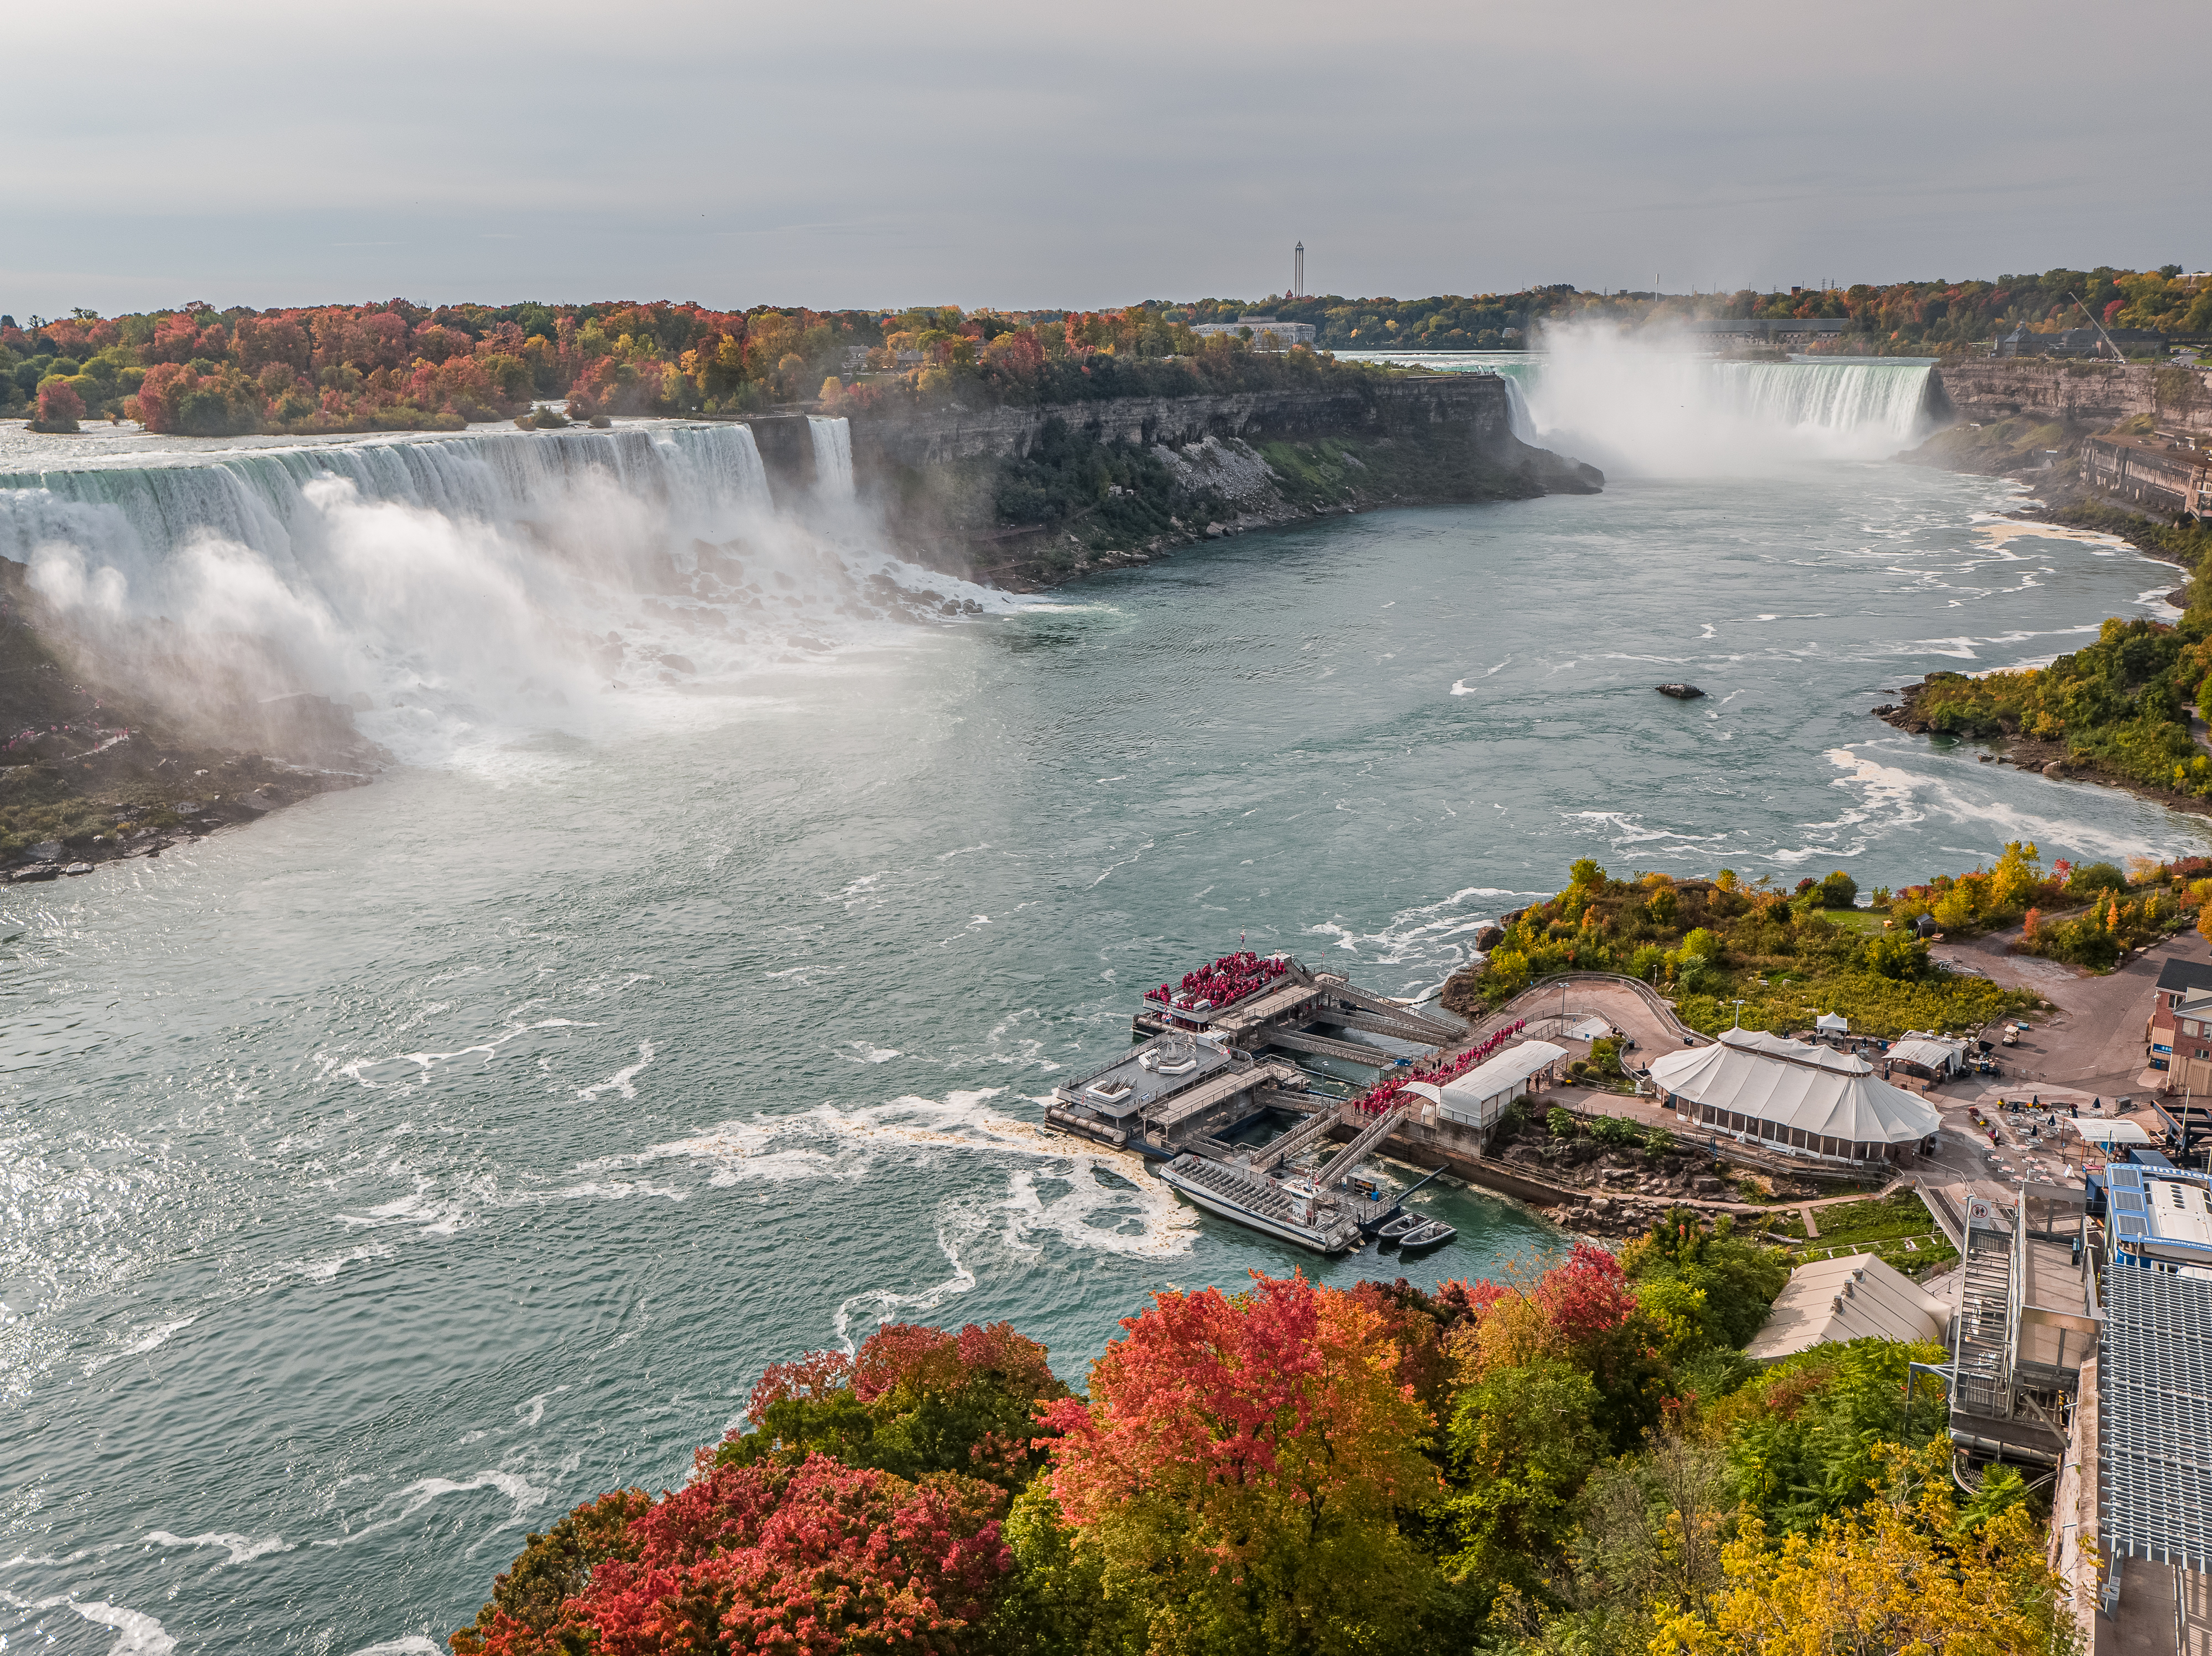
<point x="833" y="455"/>
<point x="1639" y="409"/>
<point x="462" y="588"/>
<point x="1879" y="400"/>
<point x="700" y="477"/>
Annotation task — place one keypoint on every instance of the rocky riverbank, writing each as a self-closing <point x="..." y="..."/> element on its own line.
<point x="92" y="770"/>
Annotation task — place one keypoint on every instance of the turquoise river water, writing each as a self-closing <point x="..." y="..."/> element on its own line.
<point x="378" y="1181"/>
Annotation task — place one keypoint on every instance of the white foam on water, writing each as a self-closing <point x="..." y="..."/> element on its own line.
<point x="622" y="1080"/>
<point x="412" y="1644"/>
<point x="137" y="1633"/>
<point x="1892" y="794"/>
<point x="147" y="1339"/>
<point x="414" y="1497"/>
<point x="241" y="1548"/>
<point x="322" y="1271"/>
<point x="958" y="1223"/>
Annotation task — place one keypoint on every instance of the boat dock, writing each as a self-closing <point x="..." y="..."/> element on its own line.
<point x="1222" y="1051"/>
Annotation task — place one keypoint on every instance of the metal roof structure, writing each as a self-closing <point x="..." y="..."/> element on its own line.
<point x="2155" y="1432"/>
<point x="1855" y="1297"/>
<point x="2159" y="1214"/>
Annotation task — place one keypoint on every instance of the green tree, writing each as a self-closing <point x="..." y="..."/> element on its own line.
<point x="1522" y="1440"/>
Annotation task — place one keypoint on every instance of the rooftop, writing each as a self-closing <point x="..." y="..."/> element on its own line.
<point x="2154" y="1419"/>
<point x="1855" y="1297"/>
<point x="2160" y="1215"/>
<point x="1141" y="1078"/>
<point x="1811" y="1089"/>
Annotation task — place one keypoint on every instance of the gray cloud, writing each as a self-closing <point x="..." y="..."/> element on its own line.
<point x="992" y="154"/>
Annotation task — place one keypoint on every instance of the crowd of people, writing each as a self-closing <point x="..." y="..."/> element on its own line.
<point x="1228" y="979"/>
<point x="1385" y="1094"/>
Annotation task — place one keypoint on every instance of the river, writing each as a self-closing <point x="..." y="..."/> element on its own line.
<point x="381" y="1179"/>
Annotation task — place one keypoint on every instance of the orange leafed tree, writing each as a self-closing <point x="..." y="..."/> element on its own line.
<point x="1244" y="1462"/>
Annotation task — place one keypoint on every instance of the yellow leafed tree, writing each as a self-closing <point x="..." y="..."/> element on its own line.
<point x="1907" y="1574"/>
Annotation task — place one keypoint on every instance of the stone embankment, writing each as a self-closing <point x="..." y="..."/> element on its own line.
<point x="2083" y="393"/>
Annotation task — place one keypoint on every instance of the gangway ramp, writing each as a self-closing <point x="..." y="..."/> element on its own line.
<point x="1433" y="1030"/>
<point x="1312" y="1131"/>
<point x="1172" y="1113"/>
<point x="1346" y="1161"/>
<point x="1349" y="1052"/>
<point x="1418" y="1032"/>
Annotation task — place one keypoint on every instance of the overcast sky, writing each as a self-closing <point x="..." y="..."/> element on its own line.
<point x="989" y="154"/>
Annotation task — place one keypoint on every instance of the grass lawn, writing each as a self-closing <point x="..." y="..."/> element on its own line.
<point x="1882" y="1225"/>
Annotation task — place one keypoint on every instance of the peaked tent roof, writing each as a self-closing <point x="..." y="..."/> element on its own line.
<point x="1825" y="1094"/>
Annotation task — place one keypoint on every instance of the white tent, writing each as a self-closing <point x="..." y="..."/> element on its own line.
<point x="1477" y="1098"/>
<point x="1929" y="1052"/>
<point x="2110" y="1133"/>
<point x="1788" y="1093"/>
<point x="1828" y="1023"/>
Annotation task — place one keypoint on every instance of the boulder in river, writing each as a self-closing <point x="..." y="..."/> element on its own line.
<point x="1679" y="692"/>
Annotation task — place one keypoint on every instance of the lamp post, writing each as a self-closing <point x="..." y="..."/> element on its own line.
<point x="1739" y="1012"/>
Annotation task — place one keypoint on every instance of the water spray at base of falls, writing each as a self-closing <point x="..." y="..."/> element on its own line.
<point x="1650" y="406"/>
<point x="461" y="591"/>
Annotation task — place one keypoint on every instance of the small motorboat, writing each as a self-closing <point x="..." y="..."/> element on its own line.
<point x="1434" y="1234"/>
<point x="1394" y="1228"/>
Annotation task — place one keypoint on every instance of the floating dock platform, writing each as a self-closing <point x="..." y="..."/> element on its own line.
<point x="1223" y="1048"/>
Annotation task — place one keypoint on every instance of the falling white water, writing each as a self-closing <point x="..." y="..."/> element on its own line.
<point x="1655" y="406"/>
<point x="833" y="455"/>
<point x="1519" y="421"/>
<point x="458" y="591"/>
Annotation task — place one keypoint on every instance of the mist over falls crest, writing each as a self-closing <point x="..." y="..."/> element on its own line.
<point x="454" y="588"/>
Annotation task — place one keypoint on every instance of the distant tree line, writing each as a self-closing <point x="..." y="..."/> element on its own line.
<point x="1903" y="318"/>
<point x="197" y="371"/>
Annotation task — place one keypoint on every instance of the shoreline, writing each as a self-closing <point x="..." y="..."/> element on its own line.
<point x="2061" y="503"/>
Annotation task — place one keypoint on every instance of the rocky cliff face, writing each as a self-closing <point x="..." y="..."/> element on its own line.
<point x="2082" y="392"/>
<point x="998" y="492"/>
<point x="941" y="436"/>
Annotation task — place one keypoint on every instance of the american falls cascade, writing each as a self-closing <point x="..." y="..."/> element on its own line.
<point x="458" y="589"/>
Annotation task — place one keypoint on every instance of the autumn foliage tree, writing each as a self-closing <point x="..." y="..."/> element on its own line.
<point x="1906" y="1571"/>
<point x="1241" y="1469"/>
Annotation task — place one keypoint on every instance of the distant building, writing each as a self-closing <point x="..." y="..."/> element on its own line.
<point x="1284" y="334"/>
<point x="1766" y="331"/>
<point x="2081" y="341"/>
<point x="2166" y="476"/>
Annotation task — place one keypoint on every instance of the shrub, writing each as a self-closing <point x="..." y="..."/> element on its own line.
<point x="1561" y="1122"/>
<point x="1839" y="890"/>
<point x="60" y="407"/>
